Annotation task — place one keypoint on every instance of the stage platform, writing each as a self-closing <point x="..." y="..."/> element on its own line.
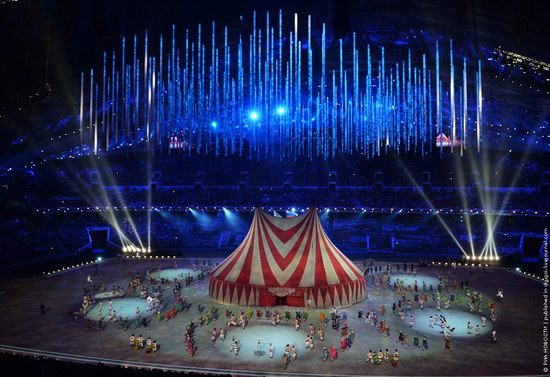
<point x="57" y="335"/>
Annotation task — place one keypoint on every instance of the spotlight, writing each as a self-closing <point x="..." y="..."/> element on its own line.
<point x="99" y="259"/>
<point x="518" y="269"/>
<point x="281" y="110"/>
<point x="253" y="115"/>
<point x="214" y="124"/>
<point x="124" y="249"/>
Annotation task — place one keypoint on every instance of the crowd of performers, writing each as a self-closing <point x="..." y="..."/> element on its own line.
<point x="151" y="288"/>
<point x="449" y="292"/>
<point x="336" y="318"/>
<point x="148" y="345"/>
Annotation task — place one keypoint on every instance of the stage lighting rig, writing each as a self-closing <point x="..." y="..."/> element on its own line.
<point x="136" y="250"/>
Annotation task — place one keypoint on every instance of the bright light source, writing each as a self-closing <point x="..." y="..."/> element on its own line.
<point x="214" y="124"/>
<point x="518" y="269"/>
<point x="253" y="115"/>
<point x="281" y="110"/>
<point x="99" y="259"/>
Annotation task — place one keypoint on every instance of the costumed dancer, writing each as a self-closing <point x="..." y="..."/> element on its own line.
<point x="325" y="354"/>
<point x="370" y="357"/>
<point x="333" y="353"/>
<point x="321" y="334"/>
<point x="293" y="352"/>
<point x="448" y="342"/>
<point x="285" y="361"/>
<point x="234" y="347"/>
<point x="394" y="358"/>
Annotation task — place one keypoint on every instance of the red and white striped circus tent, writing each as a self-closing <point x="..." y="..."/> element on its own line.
<point x="287" y="261"/>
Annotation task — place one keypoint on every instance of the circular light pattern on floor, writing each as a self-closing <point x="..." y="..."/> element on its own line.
<point x="446" y="320"/>
<point x="407" y="280"/>
<point x="124" y="307"/>
<point x="278" y="336"/>
<point x="173" y="273"/>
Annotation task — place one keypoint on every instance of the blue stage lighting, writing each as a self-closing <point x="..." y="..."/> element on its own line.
<point x="254" y="115"/>
<point x="214" y="124"/>
<point x="281" y="110"/>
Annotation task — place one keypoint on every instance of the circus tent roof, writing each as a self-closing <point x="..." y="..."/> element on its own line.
<point x="288" y="253"/>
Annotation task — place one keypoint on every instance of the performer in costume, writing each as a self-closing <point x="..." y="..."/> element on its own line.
<point x="376" y="357"/>
<point x="333" y="353"/>
<point x="394" y="358"/>
<point x="321" y="334"/>
<point x="447" y="342"/>
<point x="370" y="357"/>
<point x="285" y="361"/>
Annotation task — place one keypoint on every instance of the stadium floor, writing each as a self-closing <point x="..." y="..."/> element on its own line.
<point x="518" y="350"/>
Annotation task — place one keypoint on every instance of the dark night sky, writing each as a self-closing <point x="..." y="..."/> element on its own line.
<point x="80" y="30"/>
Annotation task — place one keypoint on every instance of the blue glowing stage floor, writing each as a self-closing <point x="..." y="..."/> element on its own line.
<point x="278" y="336"/>
<point x="173" y="273"/>
<point x="457" y="320"/>
<point x="124" y="307"/>
<point x="407" y="280"/>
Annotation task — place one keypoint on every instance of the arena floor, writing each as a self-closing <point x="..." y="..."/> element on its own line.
<point x="518" y="350"/>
